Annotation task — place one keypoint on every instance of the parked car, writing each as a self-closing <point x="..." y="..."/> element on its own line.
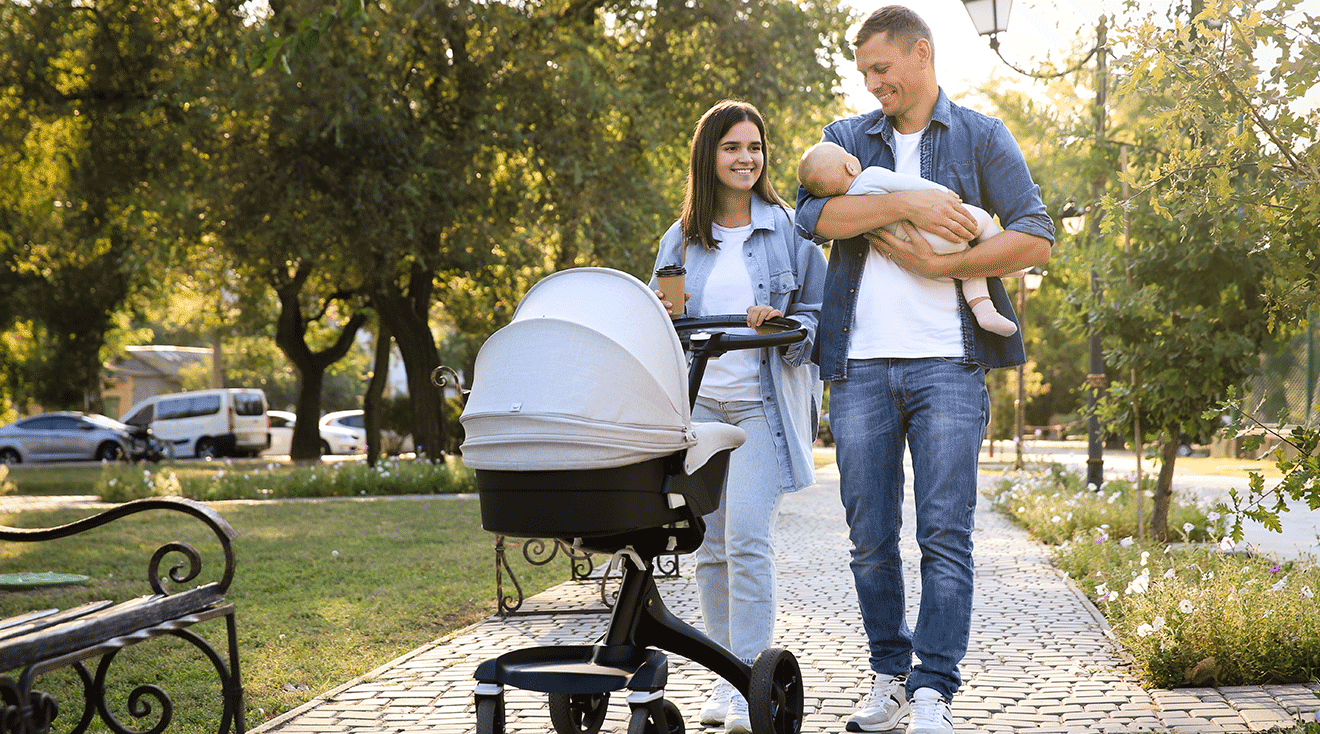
<point x="334" y="439"/>
<point x="355" y="420"/>
<point x="206" y="423"/>
<point x="65" y="436"/>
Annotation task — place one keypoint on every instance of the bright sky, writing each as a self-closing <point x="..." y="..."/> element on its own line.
<point x="1039" y="31"/>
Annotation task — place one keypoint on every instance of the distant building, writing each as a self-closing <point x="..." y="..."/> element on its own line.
<point x="142" y="372"/>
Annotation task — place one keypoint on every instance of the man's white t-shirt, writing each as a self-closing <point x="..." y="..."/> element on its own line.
<point x="734" y="375"/>
<point x="900" y="314"/>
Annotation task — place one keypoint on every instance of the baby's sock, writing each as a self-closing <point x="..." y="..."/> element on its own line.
<point x="990" y="319"/>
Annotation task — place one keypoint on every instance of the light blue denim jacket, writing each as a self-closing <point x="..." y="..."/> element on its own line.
<point x="972" y="154"/>
<point x="788" y="273"/>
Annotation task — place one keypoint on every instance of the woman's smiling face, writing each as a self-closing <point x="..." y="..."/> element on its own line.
<point x="740" y="157"/>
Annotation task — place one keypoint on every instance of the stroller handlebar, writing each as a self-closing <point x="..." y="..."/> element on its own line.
<point x="774" y="332"/>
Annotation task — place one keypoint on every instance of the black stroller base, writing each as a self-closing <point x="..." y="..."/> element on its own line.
<point x="579" y="678"/>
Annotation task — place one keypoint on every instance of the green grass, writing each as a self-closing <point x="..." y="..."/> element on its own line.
<point x="325" y="592"/>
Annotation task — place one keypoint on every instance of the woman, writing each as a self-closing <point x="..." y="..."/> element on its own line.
<point x="742" y="254"/>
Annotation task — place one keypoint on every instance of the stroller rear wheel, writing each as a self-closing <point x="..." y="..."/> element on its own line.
<point x="573" y="713"/>
<point x="776" y="699"/>
<point x="643" y="723"/>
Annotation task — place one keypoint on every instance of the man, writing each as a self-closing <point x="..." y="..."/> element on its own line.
<point x="906" y="362"/>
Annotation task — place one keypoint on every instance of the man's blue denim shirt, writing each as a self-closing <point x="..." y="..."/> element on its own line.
<point x="972" y="154"/>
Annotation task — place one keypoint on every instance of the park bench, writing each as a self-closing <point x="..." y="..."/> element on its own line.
<point x="87" y="637"/>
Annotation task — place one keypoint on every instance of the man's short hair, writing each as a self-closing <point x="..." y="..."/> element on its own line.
<point x="899" y="22"/>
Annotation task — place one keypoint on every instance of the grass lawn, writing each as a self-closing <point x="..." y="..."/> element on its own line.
<point x="325" y="591"/>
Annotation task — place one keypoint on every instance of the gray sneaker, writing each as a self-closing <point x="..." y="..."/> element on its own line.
<point x="883" y="707"/>
<point x="717" y="706"/>
<point x="930" y="713"/>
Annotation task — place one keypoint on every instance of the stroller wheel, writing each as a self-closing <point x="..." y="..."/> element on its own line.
<point x="573" y="713"/>
<point x="776" y="700"/>
<point x="490" y="715"/>
<point x="643" y="723"/>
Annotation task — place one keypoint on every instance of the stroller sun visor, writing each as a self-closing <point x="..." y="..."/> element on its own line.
<point x="588" y="375"/>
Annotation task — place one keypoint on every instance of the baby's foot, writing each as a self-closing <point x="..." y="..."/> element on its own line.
<point x="991" y="320"/>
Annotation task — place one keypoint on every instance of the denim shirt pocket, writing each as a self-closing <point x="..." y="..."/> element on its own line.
<point x="961" y="176"/>
<point x="782" y="285"/>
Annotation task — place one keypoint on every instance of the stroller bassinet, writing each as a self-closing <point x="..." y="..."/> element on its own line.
<point x="578" y="427"/>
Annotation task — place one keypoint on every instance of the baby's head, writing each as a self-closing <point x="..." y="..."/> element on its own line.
<point x="826" y="169"/>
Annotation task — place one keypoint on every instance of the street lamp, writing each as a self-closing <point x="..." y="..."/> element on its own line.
<point x="1030" y="282"/>
<point x="991" y="19"/>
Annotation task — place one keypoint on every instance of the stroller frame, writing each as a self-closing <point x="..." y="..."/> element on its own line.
<point x="580" y="678"/>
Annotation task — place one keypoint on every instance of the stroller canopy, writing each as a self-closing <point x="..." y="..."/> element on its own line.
<point x="588" y="375"/>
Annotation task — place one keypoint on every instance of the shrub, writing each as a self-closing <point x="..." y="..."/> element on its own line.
<point x="1193" y="613"/>
<point x="1198" y="616"/>
<point x="270" y="481"/>
<point x="1054" y="505"/>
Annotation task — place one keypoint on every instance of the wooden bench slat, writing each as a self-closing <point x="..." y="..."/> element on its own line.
<point x="26" y="617"/>
<point x="49" y="618"/>
<point x="113" y="621"/>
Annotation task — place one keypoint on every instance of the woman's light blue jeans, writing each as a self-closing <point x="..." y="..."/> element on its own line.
<point x="940" y="408"/>
<point x="736" y="561"/>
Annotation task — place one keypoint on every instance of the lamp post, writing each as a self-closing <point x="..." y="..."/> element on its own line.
<point x="990" y="17"/>
<point x="1030" y="282"/>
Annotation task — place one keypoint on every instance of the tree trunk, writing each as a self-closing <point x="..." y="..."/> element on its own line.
<point x="375" y="388"/>
<point x="405" y="313"/>
<point x="1159" y="514"/>
<point x="291" y="338"/>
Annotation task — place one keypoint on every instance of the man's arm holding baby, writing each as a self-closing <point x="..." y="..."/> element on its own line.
<point x="996" y="256"/>
<point x="940" y="212"/>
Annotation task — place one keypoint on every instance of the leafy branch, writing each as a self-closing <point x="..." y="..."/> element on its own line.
<point x="1300" y="467"/>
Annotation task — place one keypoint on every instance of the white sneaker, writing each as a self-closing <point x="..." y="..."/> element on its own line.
<point x="883" y="707"/>
<point x="737" y="722"/>
<point x="717" y="706"/>
<point x="930" y="713"/>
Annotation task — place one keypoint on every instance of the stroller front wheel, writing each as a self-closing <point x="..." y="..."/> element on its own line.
<point x="490" y="715"/>
<point x="578" y="713"/>
<point x="642" y="722"/>
<point x="775" y="701"/>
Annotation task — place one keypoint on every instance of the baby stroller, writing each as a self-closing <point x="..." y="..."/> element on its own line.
<point x="578" y="428"/>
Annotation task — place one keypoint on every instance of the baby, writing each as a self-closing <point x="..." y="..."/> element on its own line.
<point x="826" y="169"/>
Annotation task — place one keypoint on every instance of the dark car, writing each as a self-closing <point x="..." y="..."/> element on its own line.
<point x="69" y="437"/>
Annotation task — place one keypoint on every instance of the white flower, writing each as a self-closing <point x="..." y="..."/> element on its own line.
<point x="1186" y="607"/>
<point x="1150" y="493"/>
<point x="1102" y="590"/>
<point x="1170" y="574"/>
<point x="1140" y="584"/>
<point x="1145" y="556"/>
<point x="1226" y="544"/>
<point x="1212" y="516"/>
<point x="1188" y="527"/>
<point x="1306" y="592"/>
<point x="1127" y="542"/>
<point x="1112" y="498"/>
<point x="1144" y="630"/>
<point x="1056" y="519"/>
<point x="1157" y="622"/>
<point x="1093" y="487"/>
<point x="1207" y="575"/>
<point x="1278" y="585"/>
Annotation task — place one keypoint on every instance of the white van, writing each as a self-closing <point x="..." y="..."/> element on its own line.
<point x="206" y="423"/>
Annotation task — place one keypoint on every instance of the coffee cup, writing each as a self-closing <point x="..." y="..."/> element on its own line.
<point x="671" y="279"/>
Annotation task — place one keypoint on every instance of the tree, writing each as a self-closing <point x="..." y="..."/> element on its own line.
<point x="90" y="115"/>
<point x="1243" y="161"/>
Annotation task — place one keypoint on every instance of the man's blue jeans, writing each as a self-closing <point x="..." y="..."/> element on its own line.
<point x="940" y="408"/>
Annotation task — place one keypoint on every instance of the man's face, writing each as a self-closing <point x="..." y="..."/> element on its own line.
<point x="898" y="80"/>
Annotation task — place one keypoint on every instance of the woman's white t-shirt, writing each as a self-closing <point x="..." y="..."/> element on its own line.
<point x="734" y="375"/>
<point x="900" y="314"/>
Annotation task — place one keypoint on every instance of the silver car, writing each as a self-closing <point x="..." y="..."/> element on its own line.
<point x="64" y="437"/>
